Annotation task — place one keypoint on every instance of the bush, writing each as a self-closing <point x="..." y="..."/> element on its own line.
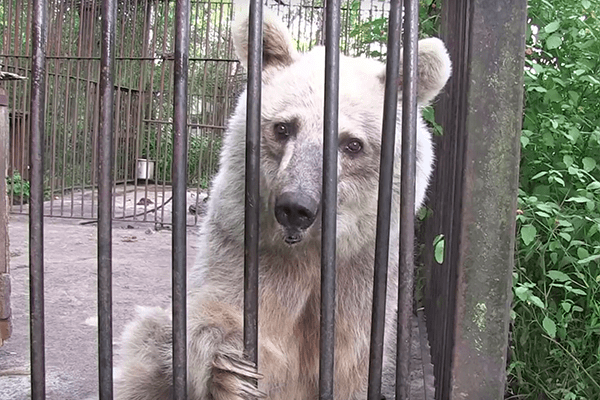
<point x="203" y="155"/>
<point x="556" y="335"/>
<point x="17" y="188"/>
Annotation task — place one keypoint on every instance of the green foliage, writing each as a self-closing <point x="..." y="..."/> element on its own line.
<point x="17" y="187"/>
<point x="203" y="154"/>
<point x="439" y="248"/>
<point x="372" y="35"/>
<point x="556" y="335"/>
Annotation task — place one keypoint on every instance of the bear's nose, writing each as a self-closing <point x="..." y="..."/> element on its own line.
<point x="296" y="210"/>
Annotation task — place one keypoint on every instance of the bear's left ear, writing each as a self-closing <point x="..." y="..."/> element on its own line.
<point x="278" y="48"/>
<point x="434" y="68"/>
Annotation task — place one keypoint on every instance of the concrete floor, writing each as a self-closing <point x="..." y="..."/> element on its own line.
<point x="141" y="276"/>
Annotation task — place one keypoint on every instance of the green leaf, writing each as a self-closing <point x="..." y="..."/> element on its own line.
<point x="566" y="306"/>
<point x="538" y="68"/>
<point x="552" y="27"/>
<point x="537" y="301"/>
<point x="588" y="164"/>
<point x="586" y="4"/>
<point x="558" y="276"/>
<point x="565" y="236"/>
<point x="582" y="253"/>
<point x="552" y="95"/>
<point x="590" y="205"/>
<point x="593" y="186"/>
<point x="522" y="293"/>
<point x="539" y="175"/>
<point x="439" y="244"/>
<point x="574" y="96"/>
<point x="524" y="141"/>
<point x="549" y="327"/>
<point x="559" y="180"/>
<point x="576" y="291"/>
<point x="578" y="199"/>
<point x="588" y="258"/>
<point x="528" y="233"/>
<point x="538" y="89"/>
<point x="553" y="41"/>
<point x="568" y="160"/>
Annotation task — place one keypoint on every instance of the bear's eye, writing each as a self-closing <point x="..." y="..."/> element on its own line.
<point x="282" y="131"/>
<point x="354" y="146"/>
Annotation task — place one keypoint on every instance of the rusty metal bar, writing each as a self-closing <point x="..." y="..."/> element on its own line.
<point x="145" y="44"/>
<point x="118" y="80"/>
<point x="105" y="155"/>
<point x="180" y="128"/>
<point x="328" y="235"/>
<point x="165" y="94"/>
<point x="407" y="198"/>
<point x="252" y="208"/>
<point x="384" y="204"/>
<point x="36" y="208"/>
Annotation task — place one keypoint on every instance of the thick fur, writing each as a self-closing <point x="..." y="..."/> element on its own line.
<point x="293" y="92"/>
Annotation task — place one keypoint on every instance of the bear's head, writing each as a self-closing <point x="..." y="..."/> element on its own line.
<point x="292" y="134"/>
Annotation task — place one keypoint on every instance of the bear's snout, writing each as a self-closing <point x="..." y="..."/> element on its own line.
<point x="296" y="211"/>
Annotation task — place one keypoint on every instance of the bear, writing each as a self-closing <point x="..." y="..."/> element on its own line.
<point x="290" y="259"/>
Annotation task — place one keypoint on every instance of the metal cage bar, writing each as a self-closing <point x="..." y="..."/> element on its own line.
<point x="386" y="175"/>
<point x="36" y="210"/>
<point x="105" y="155"/>
<point x="407" y="198"/>
<point x="252" y="208"/>
<point x="328" y="234"/>
<point x="182" y="41"/>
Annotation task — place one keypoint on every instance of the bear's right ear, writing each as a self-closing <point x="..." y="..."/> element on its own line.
<point x="278" y="48"/>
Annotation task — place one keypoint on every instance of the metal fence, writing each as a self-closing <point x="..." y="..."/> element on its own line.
<point x="144" y="71"/>
<point x="107" y="128"/>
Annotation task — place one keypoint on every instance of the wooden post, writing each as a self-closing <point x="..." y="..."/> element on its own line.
<point x="5" y="323"/>
<point x="473" y="197"/>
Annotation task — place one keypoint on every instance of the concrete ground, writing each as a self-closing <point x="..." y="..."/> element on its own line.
<point x="141" y="276"/>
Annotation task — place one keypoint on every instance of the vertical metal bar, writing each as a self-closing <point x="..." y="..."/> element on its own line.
<point x="18" y="97"/>
<point x="164" y="94"/>
<point x="328" y="235"/>
<point x="36" y="208"/>
<point x="96" y="140"/>
<point x="129" y="36"/>
<point x="252" y="210"/>
<point x="65" y="135"/>
<point x="109" y="15"/>
<point x="386" y="175"/>
<point x="407" y="197"/>
<point x="89" y="89"/>
<point x="118" y="131"/>
<point x="180" y="130"/>
<point x="55" y="36"/>
<point x="140" y="109"/>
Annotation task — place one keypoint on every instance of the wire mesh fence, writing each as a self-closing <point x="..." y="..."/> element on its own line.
<point x="143" y="138"/>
